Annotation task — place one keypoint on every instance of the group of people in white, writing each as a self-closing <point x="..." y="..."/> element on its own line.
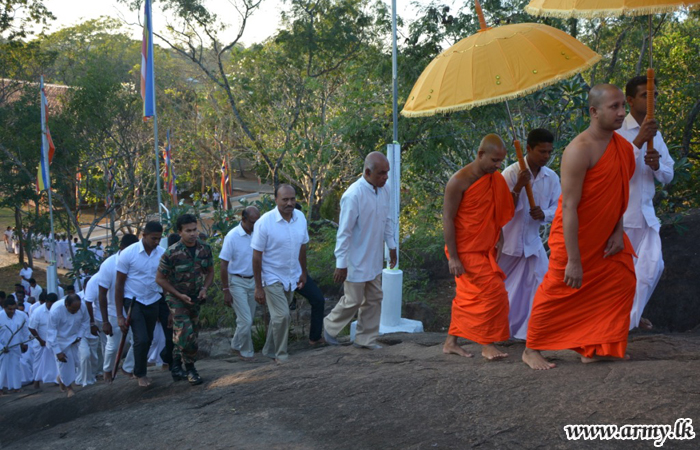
<point x="263" y="261"/>
<point x="66" y="247"/>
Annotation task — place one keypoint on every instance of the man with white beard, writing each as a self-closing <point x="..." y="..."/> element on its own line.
<point x="45" y="369"/>
<point x="69" y="321"/>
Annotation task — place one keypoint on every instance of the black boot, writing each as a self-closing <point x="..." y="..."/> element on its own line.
<point x="176" y="370"/>
<point x="192" y="375"/>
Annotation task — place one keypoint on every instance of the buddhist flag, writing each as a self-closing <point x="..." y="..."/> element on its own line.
<point x="224" y="183"/>
<point x="147" y="74"/>
<point x="168" y="173"/>
<point x="47" y="147"/>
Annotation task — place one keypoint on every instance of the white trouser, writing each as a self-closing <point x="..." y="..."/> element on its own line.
<point x="648" y="267"/>
<point x="68" y="370"/>
<point x="244" y="304"/>
<point x="87" y="352"/>
<point x="112" y="346"/>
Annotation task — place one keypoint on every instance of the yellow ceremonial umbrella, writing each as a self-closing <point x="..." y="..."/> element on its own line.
<point x="494" y="65"/>
<point x="589" y="9"/>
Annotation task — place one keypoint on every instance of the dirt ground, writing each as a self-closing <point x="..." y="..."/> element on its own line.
<point x="407" y="395"/>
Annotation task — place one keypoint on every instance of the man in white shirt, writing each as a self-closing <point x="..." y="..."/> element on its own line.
<point x="236" y="274"/>
<point x="99" y="251"/>
<point x="7" y="237"/>
<point x="279" y="266"/>
<point x="106" y="278"/>
<point x="25" y="274"/>
<point x="44" y="367"/>
<point x="13" y="336"/>
<point x="69" y="321"/>
<point x="640" y="221"/>
<point x="523" y="258"/>
<point x="136" y="289"/>
<point x="365" y="226"/>
<point x="34" y="289"/>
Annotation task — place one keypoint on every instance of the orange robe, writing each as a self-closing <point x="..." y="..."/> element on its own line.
<point x="480" y="306"/>
<point x="594" y="319"/>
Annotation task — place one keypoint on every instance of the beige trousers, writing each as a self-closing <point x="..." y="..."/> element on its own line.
<point x="277" y="300"/>
<point x="365" y="299"/>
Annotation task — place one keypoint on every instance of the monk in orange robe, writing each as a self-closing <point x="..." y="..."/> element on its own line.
<point x="477" y="205"/>
<point x="585" y="299"/>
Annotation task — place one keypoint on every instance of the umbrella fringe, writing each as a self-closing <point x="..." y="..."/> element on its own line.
<point x="603" y="13"/>
<point x="501" y="98"/>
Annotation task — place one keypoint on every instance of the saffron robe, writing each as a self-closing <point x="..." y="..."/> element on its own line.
<point x="594" y="319"/>
<point x="480" y="307"/>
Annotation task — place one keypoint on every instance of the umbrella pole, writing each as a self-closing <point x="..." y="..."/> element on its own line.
<point x="521" y="158"/>
<point x="651" y="88"/>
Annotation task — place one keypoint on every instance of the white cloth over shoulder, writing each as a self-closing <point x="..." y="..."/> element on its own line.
<point x="280" y="242"/>
<point x="365" y="225"/>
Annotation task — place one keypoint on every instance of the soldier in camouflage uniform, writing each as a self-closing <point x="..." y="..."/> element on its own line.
<point x="186" y="271"/>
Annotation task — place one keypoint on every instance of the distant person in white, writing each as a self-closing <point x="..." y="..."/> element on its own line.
<point x="523" y="258"/>
<point x="7" y="237"/>
<point x="136" y="287"/>
<point x="34" y="289"/>
<point x="14" y="332"/>
<point x="69" y="321"/>
<point x="365" y="226"/>
<point x="640" y="221"/>
<point x="236" y="274"/>
<point x="106" y="278"/>
<point x="25" y="274"/>
<point x="279" y="266"/>
<point x="45" y="368"/>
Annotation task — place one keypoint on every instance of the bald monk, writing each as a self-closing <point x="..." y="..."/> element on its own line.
<point x="584" y="301"/>
<point x="477" y="205"/>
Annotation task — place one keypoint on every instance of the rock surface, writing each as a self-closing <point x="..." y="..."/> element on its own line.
<point x="405" y="396"/>
<point x="675" y="304"/>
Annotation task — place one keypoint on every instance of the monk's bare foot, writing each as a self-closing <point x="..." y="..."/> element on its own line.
<point x="536" y="361"/>
<point x="492" y="353"/>
<point x="61" y="386"/>
<point x="128" y="374"/>
<point x="69" y="392"/>
<point x="450" y="347"/>
<point x="597" y="358"/>
<point x="144" y="381"/>
<point x="645" y="324"/>
<point x="108" y="377"/>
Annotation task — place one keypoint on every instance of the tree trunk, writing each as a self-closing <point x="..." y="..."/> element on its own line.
<point x="688" y="131"/>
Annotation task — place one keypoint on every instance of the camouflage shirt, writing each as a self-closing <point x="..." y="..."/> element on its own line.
<point x="184" y="272"/>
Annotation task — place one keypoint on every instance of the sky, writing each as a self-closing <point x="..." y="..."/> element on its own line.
<point x="262" y="24"/>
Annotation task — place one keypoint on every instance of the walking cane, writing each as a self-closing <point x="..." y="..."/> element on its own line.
<point x="122" y="342"/>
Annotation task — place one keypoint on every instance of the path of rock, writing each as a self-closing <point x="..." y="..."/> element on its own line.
<point x="405" y="396"/>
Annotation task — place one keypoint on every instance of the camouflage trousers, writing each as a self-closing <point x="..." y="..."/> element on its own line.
<point x="185" y="329"/>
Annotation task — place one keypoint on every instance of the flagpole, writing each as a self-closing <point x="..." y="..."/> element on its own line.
<point x="51" y="272"/>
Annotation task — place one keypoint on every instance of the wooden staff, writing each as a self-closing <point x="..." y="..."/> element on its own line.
<point x="651" y="90"/>
<point x="521" y="160"/>
<point x="123" y="341"/>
